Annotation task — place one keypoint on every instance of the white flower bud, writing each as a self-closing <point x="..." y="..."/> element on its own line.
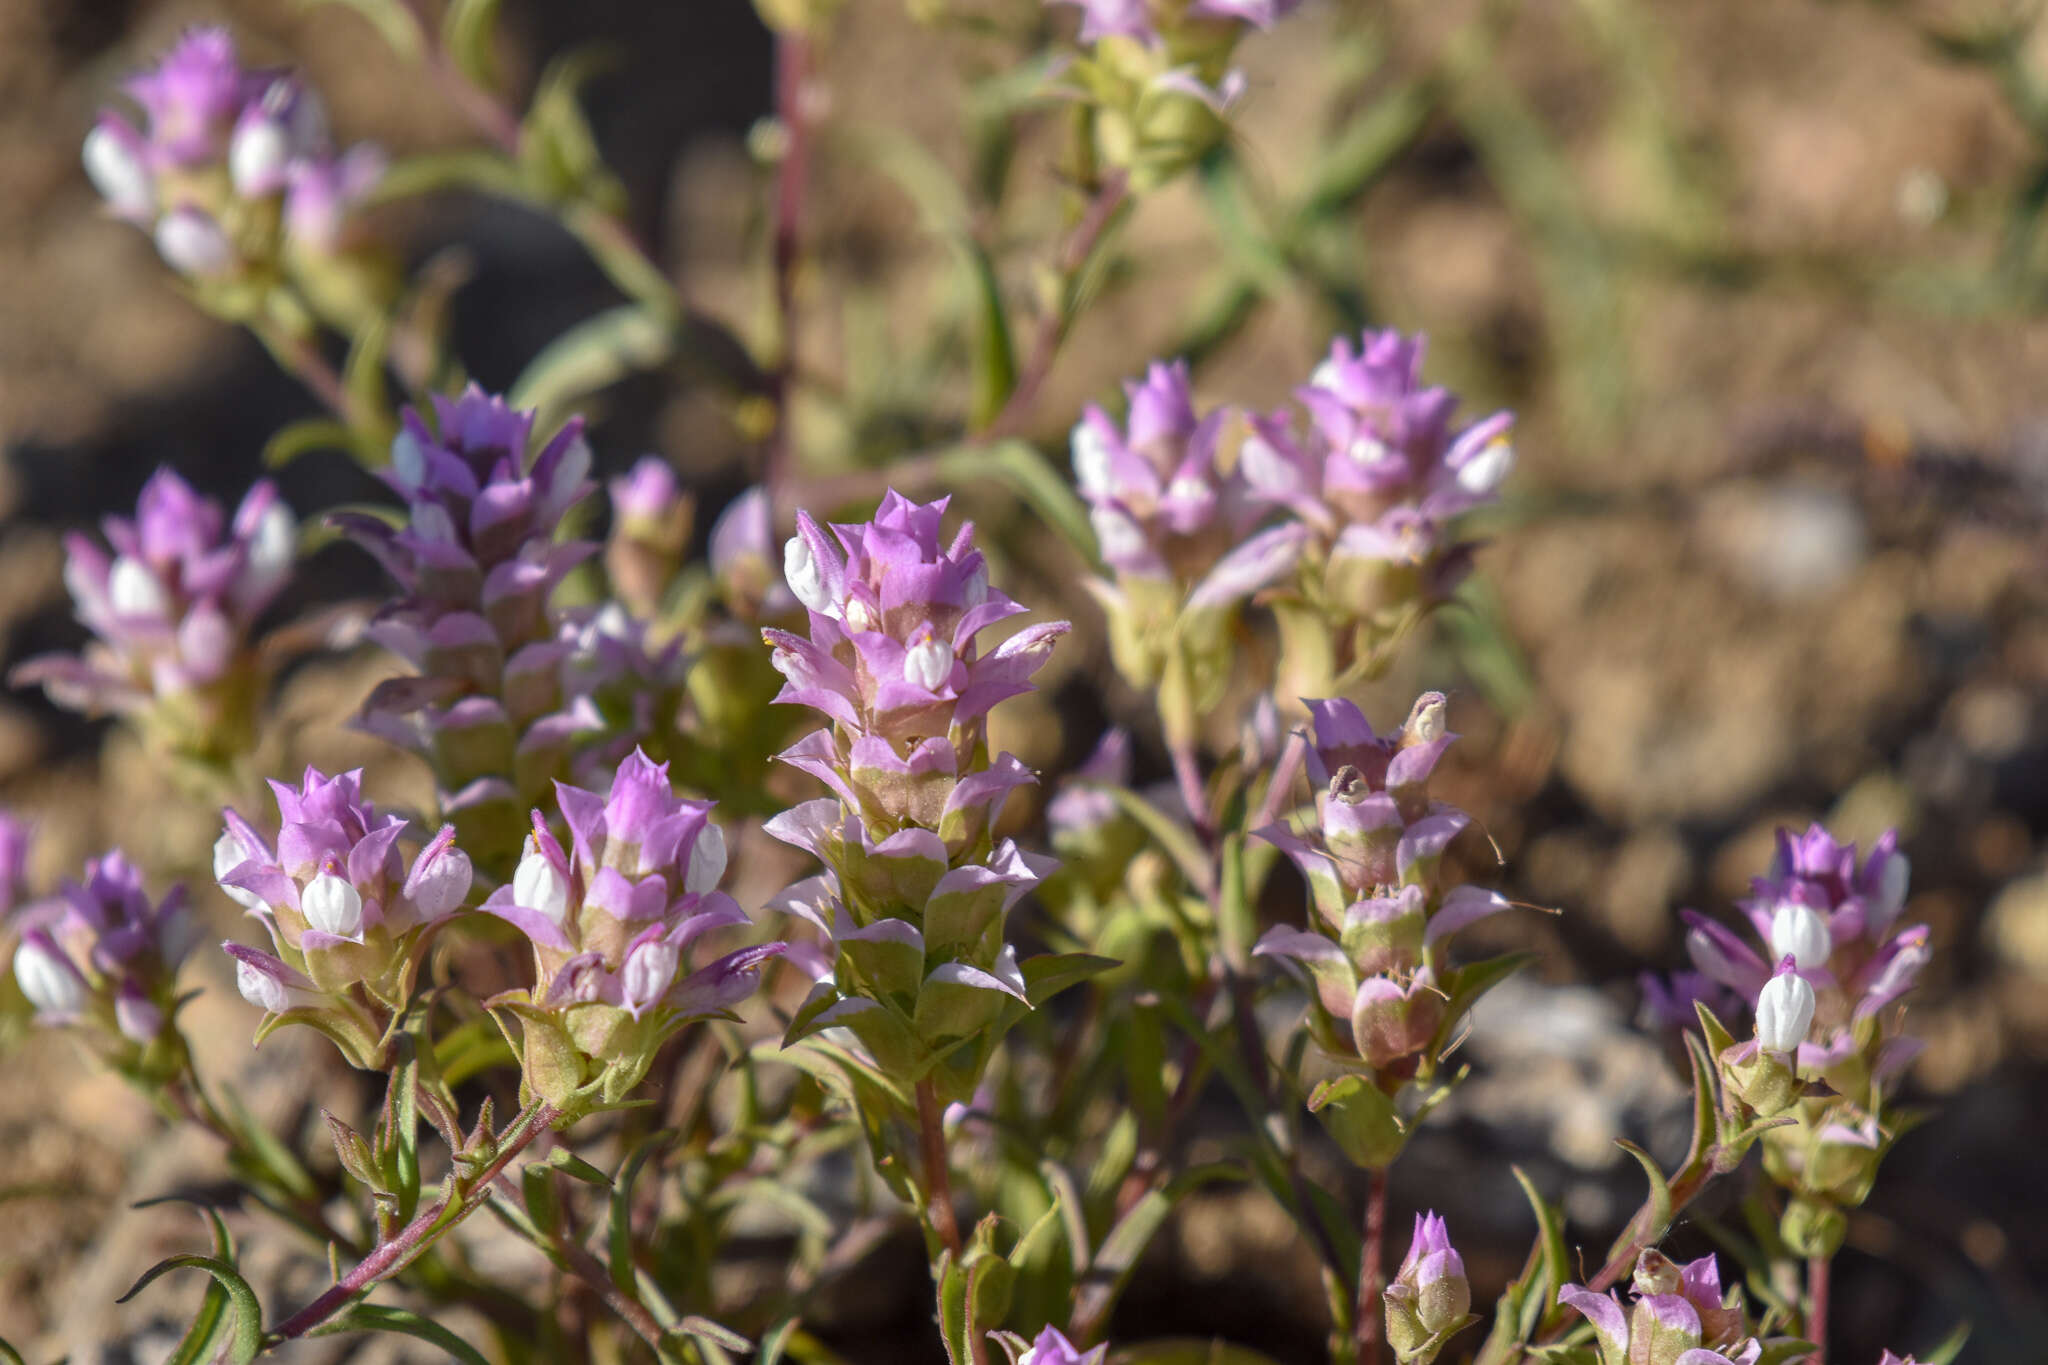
<point x="332" y="906"/>
<point x="191" y="243"/>
<point x="118" y="174"/>
<point x="132" y="590"/>
<point x="800" y="569"/>
<point x="228" y="854"/>
<point x="47" y="980"/>
<point x="648" y="972"/>
<point x="443" y="884"/>
<point x="1784" y="1012"/>
<point x="408" y="461"/>
<point x="1188" y="489"/>
<point x="1891" y="891"/>
<point x="261" y="989"/>
<point x="1488" y="468"/>
<point x="1798" y="932"/>
<point x="431" y="522"/>
<point x="537" y="885"/>
<point x="859" y="615"/>
<point x="707" y="860"/>
<point x="928" y="663"/>
<point x="1116" y="535"/>
<point x="1091" y="459"/>
<point x="257" y="156"/>
<point x="273" y="546"/>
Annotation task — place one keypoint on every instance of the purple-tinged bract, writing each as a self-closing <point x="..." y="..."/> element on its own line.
<point x="1430" y="1300"/>
<point x="611" y="919"/>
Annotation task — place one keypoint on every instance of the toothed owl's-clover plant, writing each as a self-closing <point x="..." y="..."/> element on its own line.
<point x="526" y="877"/>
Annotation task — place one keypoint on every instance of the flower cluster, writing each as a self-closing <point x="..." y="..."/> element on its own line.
<point x="102" y="955"/>
<point x="1430" y="1300"/>
<point x="1374" y="864"/>
<point x="1830" y="923"/>
<point x="1171" y="522"/>
<point x="228" y="166"/>
<point x="1159" y="78"/>
<point x="478" y="563"/>
<point x="1379" y="476"/>
<point x="610" y="920"/>
<point x="1679" y="1316"/>
<point x="350" y="923"/>
<point x="171" y="609"/>
<point x="1837" y="923"/>
<point x="914" y="902"/>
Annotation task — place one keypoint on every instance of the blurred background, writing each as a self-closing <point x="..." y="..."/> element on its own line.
<point x="1763" y="283"/>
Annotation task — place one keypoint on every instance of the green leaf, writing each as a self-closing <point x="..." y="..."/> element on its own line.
<point x="1176" y="840"/>
<point x="1362" y="1120"/>
<point x="1784" y="1351"/>
<point x="8" y="1355"/>
<point x="375" y="1317"/>
<point x="304" y="437"/>
<point x="995" y="353"/>
<point x="1658" y="1205"/>
<point x="621" y="1213"/>
<point x="466" y="33"/>
<point x="1046" y="975"/>
<point x="203" y="1340"/>
<point x="247" y="1338"/>
<point x="403" y="1134"/>
<point x="1110" y="1271"/>
<point x="594" y="354"/>
<point x="557" y="151"/>
<point x="1464" y="986"/>
<point x="704" y="1329"/>
<point x="1032" y="477"/>
<point x="471" y="169"/>
<point x="569" y="1164"/>
<point x="1949" y="1348"/>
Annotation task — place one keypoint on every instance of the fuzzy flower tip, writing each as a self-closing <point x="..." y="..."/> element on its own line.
<point x="214" y="139"/>
<point x="1052" y="1348"/>
<point x="892" y="661"/>
<point x="104" y="954"/>
<point x="170" y="599"/>
<point x="1835" y="920"/>
<point x="1374" y="863"/>
<point x="611" y="919"/>
<point x="1430" y="1298"/>
<point x="1379" y="473"/>
<point x="342" y="907"/>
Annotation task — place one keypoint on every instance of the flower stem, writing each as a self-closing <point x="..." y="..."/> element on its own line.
<point x="1188" y="773"/>
<point x="1372" y="1275"/>
<point x="392" y="1256"/>
<point x="1074" y="256"/>
<point x="1281" y="786"/>
<point x="1819" y="1276"/>
<point x="938" y="1174"/>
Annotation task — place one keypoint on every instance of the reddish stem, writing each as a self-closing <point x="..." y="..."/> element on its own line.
<point x="1074" y="254"/>
<point x="390" y="1257"/>
<point x="938" y="1170"/>
<point x="1281" y="787"/>
<point x="1372" y="1275"/>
